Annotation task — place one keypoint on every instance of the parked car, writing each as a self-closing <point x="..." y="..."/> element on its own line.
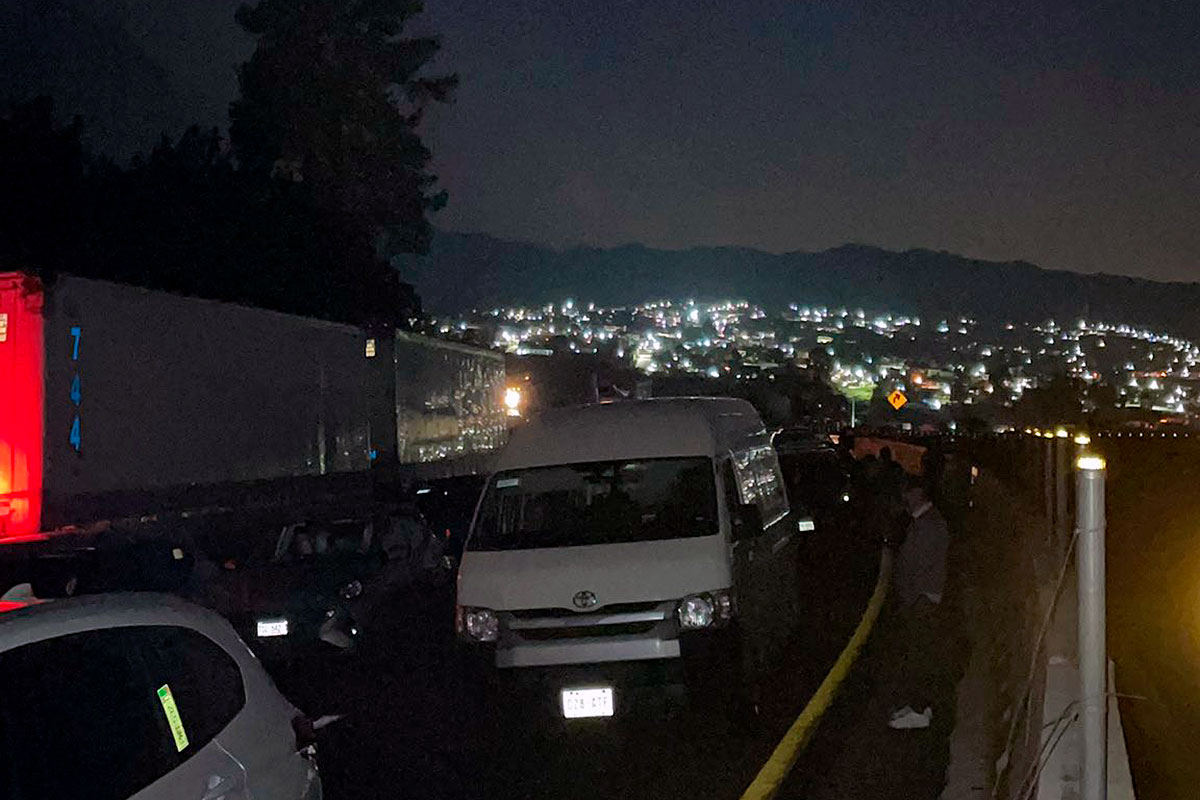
<point x="142" y="696"/>
<point x="793" y="441"/>
<point x="311" y="589"/>
<point x="817" y="479"/>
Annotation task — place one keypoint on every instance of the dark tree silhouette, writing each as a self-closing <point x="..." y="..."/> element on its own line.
<point x="41" y="187"/>
<point x="186" y="219"/>
<point x="332" y="98"/>
<point x="1056" y="402"/>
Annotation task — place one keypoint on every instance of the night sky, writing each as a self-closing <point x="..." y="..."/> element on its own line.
<point x="1054" y="132"/>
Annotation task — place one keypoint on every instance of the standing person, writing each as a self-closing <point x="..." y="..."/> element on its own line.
<point x="864" y="494"/>
<point x="868" y="474"/>
<point x="846" y="463"/>
<point x="892" y="514"/>
<point x="933" y="466"/>
<point x="923" y="637"/>
<point x="891" y="476"/>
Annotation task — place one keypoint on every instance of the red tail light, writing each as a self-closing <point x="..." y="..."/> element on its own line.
<point x="22" y="359"/>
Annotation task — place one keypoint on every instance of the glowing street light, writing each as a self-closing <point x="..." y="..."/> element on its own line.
<point x="512" y="401"/>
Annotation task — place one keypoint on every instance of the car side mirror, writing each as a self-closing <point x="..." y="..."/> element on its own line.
<point x="747" y="521"/>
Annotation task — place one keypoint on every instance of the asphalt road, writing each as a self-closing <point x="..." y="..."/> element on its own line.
<point x="1154" y="608"/>
<point x="415" y="725"/>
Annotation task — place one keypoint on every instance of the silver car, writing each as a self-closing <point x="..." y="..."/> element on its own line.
<point x="144" y="696"/>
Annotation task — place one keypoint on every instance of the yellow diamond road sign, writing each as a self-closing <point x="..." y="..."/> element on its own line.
<point x="897" y="399"/>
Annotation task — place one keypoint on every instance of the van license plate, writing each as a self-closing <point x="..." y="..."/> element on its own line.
<point x="578" y="703"/>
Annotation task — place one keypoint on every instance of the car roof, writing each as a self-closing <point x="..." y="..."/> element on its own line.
<point x="48" y="620"/>
<point x="658" y="428"/>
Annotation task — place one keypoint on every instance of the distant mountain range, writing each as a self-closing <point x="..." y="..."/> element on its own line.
<point x="464" y="271"/>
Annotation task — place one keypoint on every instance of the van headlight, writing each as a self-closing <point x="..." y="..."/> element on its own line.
<point x="706" y="610"/>
<point x="477" y="624"/>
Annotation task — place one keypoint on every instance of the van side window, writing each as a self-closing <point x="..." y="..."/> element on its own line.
<point x="772" y="496"/>
<point x="760" y="481"/>
<point x="743" y="466"/>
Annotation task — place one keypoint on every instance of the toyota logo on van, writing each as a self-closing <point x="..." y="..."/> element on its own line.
<point x="584" y="599"/>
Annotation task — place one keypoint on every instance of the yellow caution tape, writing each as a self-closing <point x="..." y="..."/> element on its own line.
<point x="172" y="711"/>
<point x="771" y="776"/>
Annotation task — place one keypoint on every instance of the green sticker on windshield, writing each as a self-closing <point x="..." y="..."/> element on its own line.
<point x="169" y="708"/>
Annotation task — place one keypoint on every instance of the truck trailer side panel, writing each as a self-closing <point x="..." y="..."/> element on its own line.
<point x="147" y="391"/>
<point x="449" y="400"/>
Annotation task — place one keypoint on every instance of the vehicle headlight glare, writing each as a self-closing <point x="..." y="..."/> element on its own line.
<point x="696" y="612"/>
<point x="479" y="624"/>
<point x="705" y="610"/>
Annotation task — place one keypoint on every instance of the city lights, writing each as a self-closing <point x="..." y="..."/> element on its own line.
<point x="953" y="362"/>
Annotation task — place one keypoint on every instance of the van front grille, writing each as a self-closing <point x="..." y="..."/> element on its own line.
<point x="585" y="631"/>
<point x="614" y="608"/>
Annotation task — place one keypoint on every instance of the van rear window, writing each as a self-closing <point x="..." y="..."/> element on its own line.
<point x="602" y="502"/>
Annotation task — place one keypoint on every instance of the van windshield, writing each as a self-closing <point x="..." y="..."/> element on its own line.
<point x="602" y="502"/>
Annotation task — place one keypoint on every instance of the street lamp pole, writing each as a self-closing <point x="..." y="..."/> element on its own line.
<point x="1093" y="656"/>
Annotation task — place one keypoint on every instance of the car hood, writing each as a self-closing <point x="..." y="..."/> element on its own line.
<point x="514" y="580"/>
<point x="273" y="588"/>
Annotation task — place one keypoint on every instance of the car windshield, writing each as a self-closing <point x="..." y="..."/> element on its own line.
<point x="601" y="502"/>
<point x="325" y="542"/>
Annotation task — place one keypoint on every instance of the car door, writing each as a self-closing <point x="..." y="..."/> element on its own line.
<point x="96" y="718"/>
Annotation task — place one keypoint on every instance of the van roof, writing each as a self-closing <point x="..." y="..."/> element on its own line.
<point x="659" y="428"/>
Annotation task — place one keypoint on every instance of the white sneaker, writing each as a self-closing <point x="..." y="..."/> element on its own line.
<point x="907" y="719"/>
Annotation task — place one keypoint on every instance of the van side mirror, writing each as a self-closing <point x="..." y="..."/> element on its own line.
<point x="747" y="521"/>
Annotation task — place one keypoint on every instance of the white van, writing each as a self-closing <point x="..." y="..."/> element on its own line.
<point x="634" y="543"/>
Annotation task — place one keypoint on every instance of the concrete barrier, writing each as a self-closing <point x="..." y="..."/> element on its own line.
<point x="1016" y="729"/>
